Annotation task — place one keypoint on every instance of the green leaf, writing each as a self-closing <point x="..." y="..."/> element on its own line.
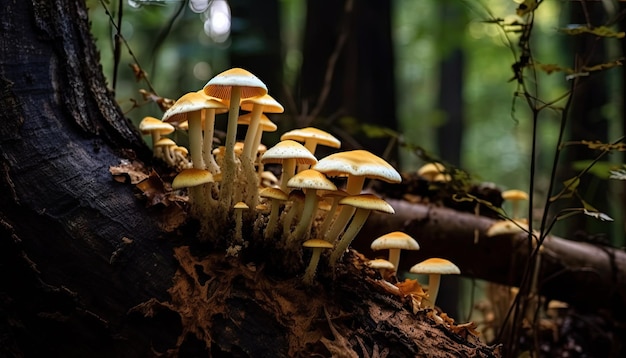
<point x="599" y="169"/>
<point x="374" y="131"/>
<point x="570" y="186"/>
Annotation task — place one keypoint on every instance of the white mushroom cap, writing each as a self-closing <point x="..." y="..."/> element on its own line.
<point x="192" y="102"/>
<point x="311" y="179"/>
<point x="311" y="134"/>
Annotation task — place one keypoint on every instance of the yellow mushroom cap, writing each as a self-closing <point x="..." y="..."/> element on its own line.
<point x="380" y="264"/>
<point x="395" y="240"/>
<point x="314" y="134"/>
<point x="288" y="149"/>
<point x="514" y="194"/>
<point x="367" y="201"/>
<point x="151" y="124"/>
<point x="191" y="177"/>
<point x="265" y="122"/>
<point x="241" y="205"/>
<point x="358" y="163"/>
<point x="270" y="105"/>
<point x="273" y="193"/>
<point x="318" y="243"/>
<point x="435" y="266"/>
<point x="220" y="86"/>
<point x="164" y="142"/>
<point x="431" y="170"/>
<point x="506" y="227"/>
<point x="191" y="102"/>
<point x="311" y="179"/>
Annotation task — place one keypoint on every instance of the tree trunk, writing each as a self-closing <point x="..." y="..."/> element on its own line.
<point x="89" y="270"/>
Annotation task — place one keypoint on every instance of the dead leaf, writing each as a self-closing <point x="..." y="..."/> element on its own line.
<point x="133" y="172"/>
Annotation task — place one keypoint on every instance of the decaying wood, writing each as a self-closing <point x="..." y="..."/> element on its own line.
<point x="586" y="275"/>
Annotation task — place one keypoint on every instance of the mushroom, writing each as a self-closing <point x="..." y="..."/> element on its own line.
<point x="275" y="196"/>
<point x="334" y="196"/>
<point x="156" y="128"/>
<point x="395" y="242"/>
<point x="430" y="170"/>
<point x="364" y="204"/>
<point x="357" y="165"/>
<point x="239" y="208"/>
<point x="317" y="245"/>
<point x="166" y="146"/>
<point x="233" y="85"/>
<point x="190" y="107"/>
<point x="310" y="181"/>
<point x="515" y="196"/>
<point x="257" y="106"/>
<point x="507" y="227"/>
<point x="434" y="268"/>
<point x="289" y="153"/>
<point x="384" y="267"/>
<point x="311" y="137"/>
<point x="191" y="177"/>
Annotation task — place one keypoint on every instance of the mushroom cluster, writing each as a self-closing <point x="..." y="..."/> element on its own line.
<point x="301" y="206"/>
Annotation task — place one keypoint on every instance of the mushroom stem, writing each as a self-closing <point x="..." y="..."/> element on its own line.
<point x="207" y="144"/>
<point x="195" y="138"/>
<point x="433" y="289"/>
<point x="230" y="165"/>
<point x="309" y="273"/>
<point x="355" y="184"/>
<point x="249" y="148"/>
<point x="394" y="257"/>
<point x="353" y="229"/>
<point x="272" y="223"/>
<point x="329" y="217"/>
<point x="345" y="213"/>
<point x="289" y="168"/>
<point x="308" y="213"/>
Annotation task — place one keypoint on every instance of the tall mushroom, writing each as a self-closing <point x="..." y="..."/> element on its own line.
<point x="364" y="204"/>
<point x="257" y="106"/>
<point x="434" y="268"/>
<point x="232" y="85"/>
<point x="190" y="107"/>
<point x="514" y="196"/>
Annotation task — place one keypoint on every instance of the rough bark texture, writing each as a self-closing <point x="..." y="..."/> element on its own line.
<point x="85" y="269"/>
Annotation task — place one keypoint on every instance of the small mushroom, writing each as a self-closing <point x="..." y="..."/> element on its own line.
<point x="434" y="268"/>
<point x="384" y="267"/>
<point x="317" y="245"/>
<point x="311" y="137"/>
<point x="514" y="196"/>
<point x="429" y="171"/>
<point x="155" y="128"/>
<point x="239" y="208"/>
<point x="395" y="242"/>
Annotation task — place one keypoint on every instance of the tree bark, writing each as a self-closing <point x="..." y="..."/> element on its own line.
<point x="87" y="269"/>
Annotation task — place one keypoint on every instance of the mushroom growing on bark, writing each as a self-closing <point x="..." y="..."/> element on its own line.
<point x="311" y="137"/>
<point x="317" y="245"/>
<point x="395" y="242"/>
<point x="276" y="196"/>
<point x="155" y="128"/>
<point x="232" y="85"/>
<point x="434" y="268"/>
